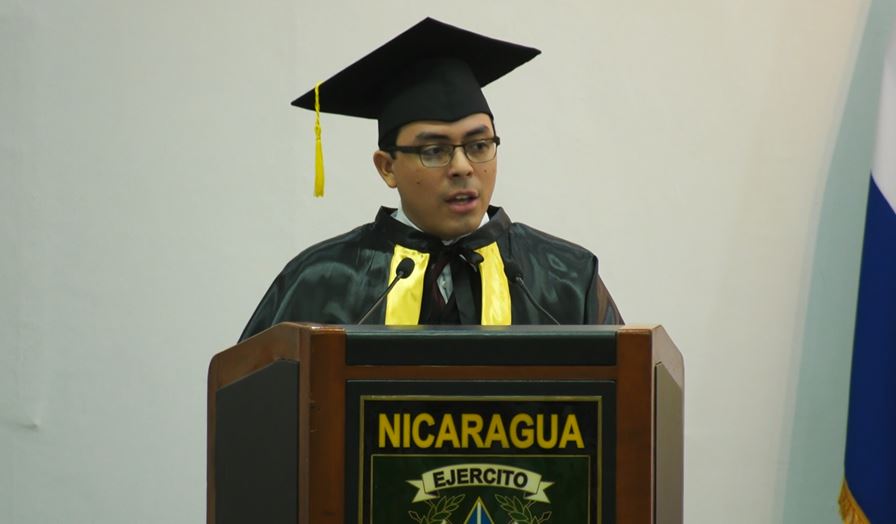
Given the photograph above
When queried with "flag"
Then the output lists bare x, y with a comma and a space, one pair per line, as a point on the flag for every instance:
868, 494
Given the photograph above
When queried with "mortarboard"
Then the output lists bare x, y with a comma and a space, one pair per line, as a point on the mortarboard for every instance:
432, 71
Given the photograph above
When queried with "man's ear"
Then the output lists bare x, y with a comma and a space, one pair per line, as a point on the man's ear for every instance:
384, 162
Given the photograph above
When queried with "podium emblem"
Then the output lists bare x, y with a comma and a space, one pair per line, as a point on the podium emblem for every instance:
479, 515
488, 459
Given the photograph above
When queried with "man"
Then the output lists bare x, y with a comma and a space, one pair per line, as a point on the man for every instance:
469, 264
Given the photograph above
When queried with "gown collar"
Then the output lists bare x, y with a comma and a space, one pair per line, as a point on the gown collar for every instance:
390, 231
400, 215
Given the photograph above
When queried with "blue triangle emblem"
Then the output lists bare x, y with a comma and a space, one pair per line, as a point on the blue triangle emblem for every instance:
479, 515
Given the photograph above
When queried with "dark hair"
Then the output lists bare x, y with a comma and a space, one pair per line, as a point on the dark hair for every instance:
390, 139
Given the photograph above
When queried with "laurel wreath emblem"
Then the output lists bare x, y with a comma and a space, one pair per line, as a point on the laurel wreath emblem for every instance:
440, 510
521, 512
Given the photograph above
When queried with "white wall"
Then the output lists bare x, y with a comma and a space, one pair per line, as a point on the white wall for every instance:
153, 180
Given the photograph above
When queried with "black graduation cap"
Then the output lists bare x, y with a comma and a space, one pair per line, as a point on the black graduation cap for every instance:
432, 71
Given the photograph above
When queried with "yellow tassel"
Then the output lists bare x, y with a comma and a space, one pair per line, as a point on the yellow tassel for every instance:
850, 510
318, 148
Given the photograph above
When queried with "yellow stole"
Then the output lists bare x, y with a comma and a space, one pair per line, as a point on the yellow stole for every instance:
404, 302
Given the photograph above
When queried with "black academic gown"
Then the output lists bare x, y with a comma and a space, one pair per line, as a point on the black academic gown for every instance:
338, 280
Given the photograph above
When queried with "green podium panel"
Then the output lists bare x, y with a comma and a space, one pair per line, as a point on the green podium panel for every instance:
523, 451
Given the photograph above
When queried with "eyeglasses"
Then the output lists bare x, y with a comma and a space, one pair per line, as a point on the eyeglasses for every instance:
440, 155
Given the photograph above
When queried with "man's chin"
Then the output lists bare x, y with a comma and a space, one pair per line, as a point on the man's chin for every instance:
462, 229
452, 227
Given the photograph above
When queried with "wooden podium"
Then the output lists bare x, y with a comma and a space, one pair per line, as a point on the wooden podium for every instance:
316, 424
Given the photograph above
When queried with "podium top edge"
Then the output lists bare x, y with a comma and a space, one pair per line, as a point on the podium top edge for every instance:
476, 330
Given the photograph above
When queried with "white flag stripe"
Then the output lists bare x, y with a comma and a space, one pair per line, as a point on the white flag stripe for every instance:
884, 170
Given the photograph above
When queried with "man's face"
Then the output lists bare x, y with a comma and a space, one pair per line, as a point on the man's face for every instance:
448, 201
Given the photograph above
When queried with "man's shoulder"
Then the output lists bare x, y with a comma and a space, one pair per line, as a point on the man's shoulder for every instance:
335, 248
539, 241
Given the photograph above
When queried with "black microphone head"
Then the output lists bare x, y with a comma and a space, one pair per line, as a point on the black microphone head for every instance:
513, 270
475, 258
405, 268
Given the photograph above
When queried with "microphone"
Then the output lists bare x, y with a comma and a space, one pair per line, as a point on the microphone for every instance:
474, 259
404, 270
515, 274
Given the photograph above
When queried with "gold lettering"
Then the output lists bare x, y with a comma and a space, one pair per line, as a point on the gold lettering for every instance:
471, 427
448, 432
571, 432
496, 433
546, 443
389, 429
415, 431
406, 430
521, 438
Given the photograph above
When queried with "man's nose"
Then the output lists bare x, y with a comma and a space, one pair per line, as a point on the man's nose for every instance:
460, 165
